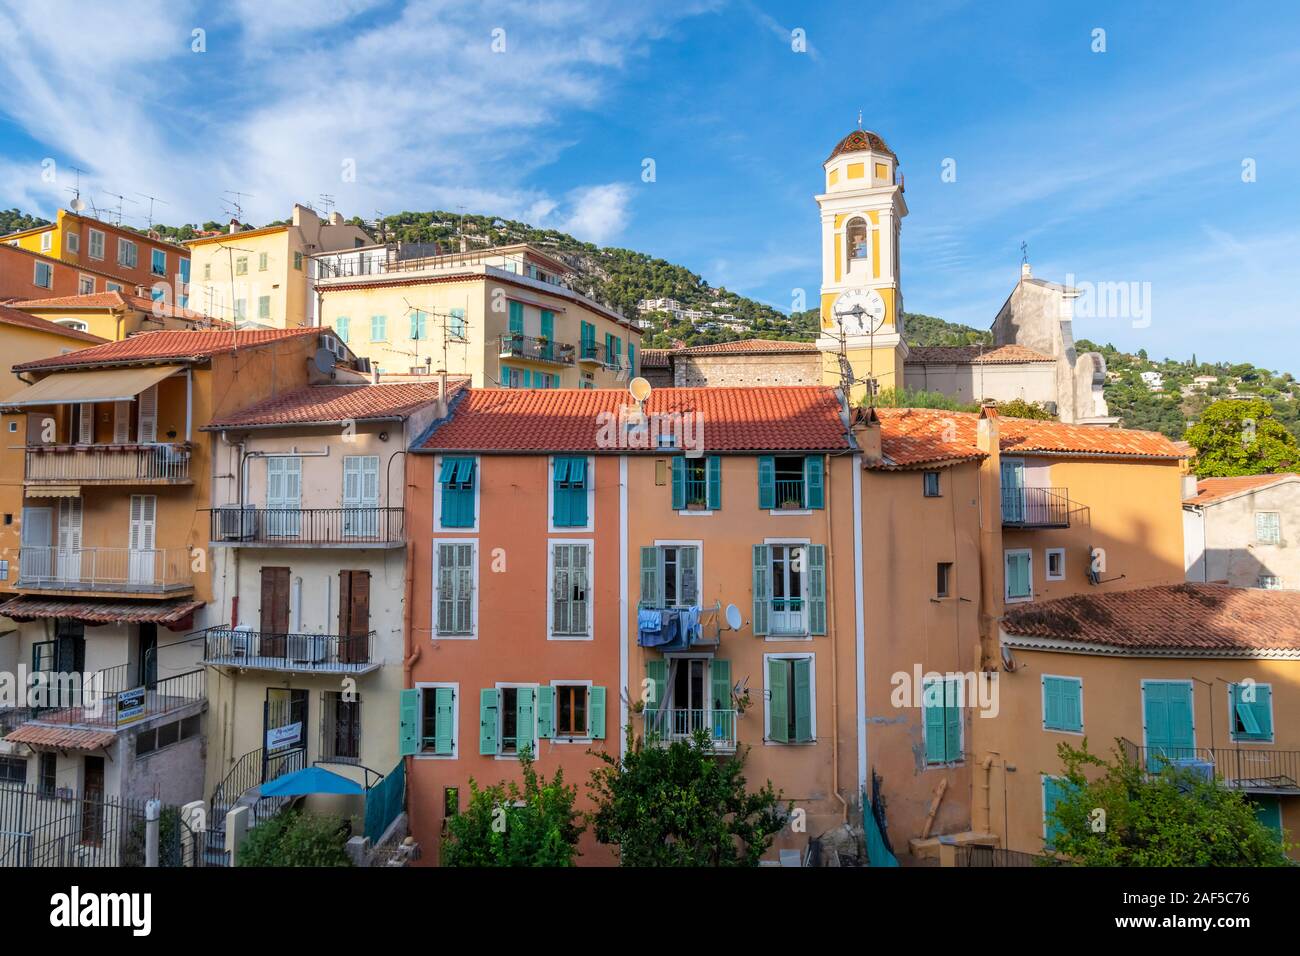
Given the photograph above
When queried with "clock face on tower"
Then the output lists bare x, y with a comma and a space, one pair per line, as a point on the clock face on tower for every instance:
860, 312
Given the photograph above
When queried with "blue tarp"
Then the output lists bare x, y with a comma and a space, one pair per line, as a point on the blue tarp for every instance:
300, 783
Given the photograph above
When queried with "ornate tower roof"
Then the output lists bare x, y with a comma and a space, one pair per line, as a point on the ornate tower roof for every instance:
860, 140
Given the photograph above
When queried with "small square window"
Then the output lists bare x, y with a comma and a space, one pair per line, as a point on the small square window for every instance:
1268, 527
13, 426
943, 579
1270, 582
1056, 564
930, 482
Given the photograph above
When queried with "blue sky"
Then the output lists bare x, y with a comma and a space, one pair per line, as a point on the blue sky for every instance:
1123, 166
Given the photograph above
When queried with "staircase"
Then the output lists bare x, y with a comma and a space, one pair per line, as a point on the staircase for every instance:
239, 789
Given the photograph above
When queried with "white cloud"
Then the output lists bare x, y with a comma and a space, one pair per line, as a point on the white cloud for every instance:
597, 213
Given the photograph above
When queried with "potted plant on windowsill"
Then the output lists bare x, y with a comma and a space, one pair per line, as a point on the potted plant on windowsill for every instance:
791, 504
741, 700
697, 504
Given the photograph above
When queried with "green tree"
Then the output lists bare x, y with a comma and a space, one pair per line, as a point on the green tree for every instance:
919, 398
509, 825
1019, 408
1167, 818
682, 805
296, 838
1242, 438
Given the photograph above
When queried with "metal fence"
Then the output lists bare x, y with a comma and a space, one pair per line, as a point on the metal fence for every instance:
516, 345
384, 801
362, 527
1036, 507
332, 653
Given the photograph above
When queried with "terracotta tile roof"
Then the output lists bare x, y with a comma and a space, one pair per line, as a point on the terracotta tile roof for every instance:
61, 738
98, 612
781, 418
1211, 490
655, 358
11, 316
914, 436
974, 355
859, 140
749, 347
1207, 619
168, 345
111, 300
316, 404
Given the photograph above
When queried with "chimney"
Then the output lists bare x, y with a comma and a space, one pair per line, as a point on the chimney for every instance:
987, 436
234, 226
442, 393
866, 433
1024, 270
336, 218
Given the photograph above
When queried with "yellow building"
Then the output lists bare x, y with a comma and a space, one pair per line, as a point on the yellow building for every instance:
260, 278
506, 316
113, 315
862, 211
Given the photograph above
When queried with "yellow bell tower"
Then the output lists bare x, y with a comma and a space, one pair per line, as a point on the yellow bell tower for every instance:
862, 212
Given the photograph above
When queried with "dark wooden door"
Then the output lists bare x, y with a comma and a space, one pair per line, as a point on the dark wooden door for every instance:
354, 616
148, 673
275, 611
92, 802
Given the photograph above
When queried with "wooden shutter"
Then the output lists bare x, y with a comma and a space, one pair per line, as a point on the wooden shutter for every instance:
121, 423
767, 482
650, 596
596, 714
814, 495
1052, 712
444, 723
761, 573
778, 714
802, 668
713, 476
354, 616
488, 705
952, 715
688, 591
524, 723
720, 698
274, 611
932, 699
86, 423
545, 712
148, 429
1072, 703
408, 724
656, 673
679, 482
816, 589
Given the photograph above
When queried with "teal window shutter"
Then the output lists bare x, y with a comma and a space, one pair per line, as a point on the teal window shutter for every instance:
778, 694
802, 668
760, 589
933, 718
723, 718
767, 482
545, 712
524, 720
559, 493
456, 324
578, 479
487, 720
713, 476
548, 325
1255, 718
596, 713
444, 729
951, 722
1072, 704
816, 589
456, 478
408, 724
516, 318
650, 577
679, 482
814, 495
631, 359
1053, 791
656, 673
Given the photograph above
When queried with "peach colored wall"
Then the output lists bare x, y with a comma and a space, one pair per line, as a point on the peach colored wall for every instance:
1112, 707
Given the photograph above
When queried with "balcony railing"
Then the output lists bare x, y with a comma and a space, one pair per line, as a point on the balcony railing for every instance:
120, 570
789, 493
110, 464
1036, 507
100, 698
265, 650
676, 724
293, 527
1252, 769
518, 346
592, 352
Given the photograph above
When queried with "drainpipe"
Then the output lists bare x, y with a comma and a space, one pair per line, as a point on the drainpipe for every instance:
835, 680
410, 650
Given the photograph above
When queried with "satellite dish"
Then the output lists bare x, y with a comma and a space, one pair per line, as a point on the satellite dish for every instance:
77, 204
733, 617
639, 389
324, 361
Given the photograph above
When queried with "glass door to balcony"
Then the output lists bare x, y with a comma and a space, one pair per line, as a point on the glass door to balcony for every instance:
361, 496
689, 706
787, 589
1013, 491
283, 497
68, 553
34, 556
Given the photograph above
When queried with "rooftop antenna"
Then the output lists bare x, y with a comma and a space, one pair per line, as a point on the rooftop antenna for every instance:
120, 200
859, 119
77, 204
152, 200
326, 203
235, 204
1024, 252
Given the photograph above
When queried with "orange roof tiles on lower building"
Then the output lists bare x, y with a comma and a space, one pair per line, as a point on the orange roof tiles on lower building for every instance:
1210, 490
326, 404
167, 345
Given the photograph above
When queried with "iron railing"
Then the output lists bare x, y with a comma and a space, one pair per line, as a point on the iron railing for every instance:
592, 352
790, 493
992, 856
696, 492
121, 570
108, 463
1252, 769
1035, 507
101, 698
280, 527
265, 650
664, 726
517, 345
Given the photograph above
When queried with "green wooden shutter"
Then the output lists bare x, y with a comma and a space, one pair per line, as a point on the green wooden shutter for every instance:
524, 724
559, 495
713, 473
817, 589
951, 722
1053, 791
650, 577
814, 495
408, 732
444, 724
932, 701
720, 699
516, 318
548, 325
1071, 704
657, 673
760, 589
487, 720
596, 713
578, 493
1052, 703
803, 699
545, 711
679, 482
778, 716
1256, 716
766, 482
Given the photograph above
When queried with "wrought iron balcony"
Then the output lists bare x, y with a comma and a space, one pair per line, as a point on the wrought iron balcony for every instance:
591, 353
303, 527
112, 570
1035, 508
108, 464
1249, 768
112, 697
666, 726
296, 653
518, 346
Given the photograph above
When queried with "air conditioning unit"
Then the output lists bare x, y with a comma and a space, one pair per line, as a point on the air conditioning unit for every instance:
363, 364
236, 523
307, 648
241, 639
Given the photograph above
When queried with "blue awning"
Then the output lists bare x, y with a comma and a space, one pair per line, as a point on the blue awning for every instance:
300, 783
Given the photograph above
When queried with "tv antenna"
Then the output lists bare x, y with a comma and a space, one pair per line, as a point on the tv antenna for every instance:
1024, 252
235, 203
326, 203
77, 204
152, 200
120, 200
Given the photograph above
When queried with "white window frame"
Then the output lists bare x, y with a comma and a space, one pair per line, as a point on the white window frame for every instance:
112, 287
1272, 717
1277, 515
455, 720
82, 279
945, 678
550, 496
1047, 566
1042, 703
938, 483
785, 637
501, 714
97, 238
47, 240
154, 252
767, 700
36, 274
73, 241
550, 584
555, 737
123, 244
437, 494
698, 545
433, 597
1006, 578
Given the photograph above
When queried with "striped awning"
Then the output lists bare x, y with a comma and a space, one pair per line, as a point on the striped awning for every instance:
54, 491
